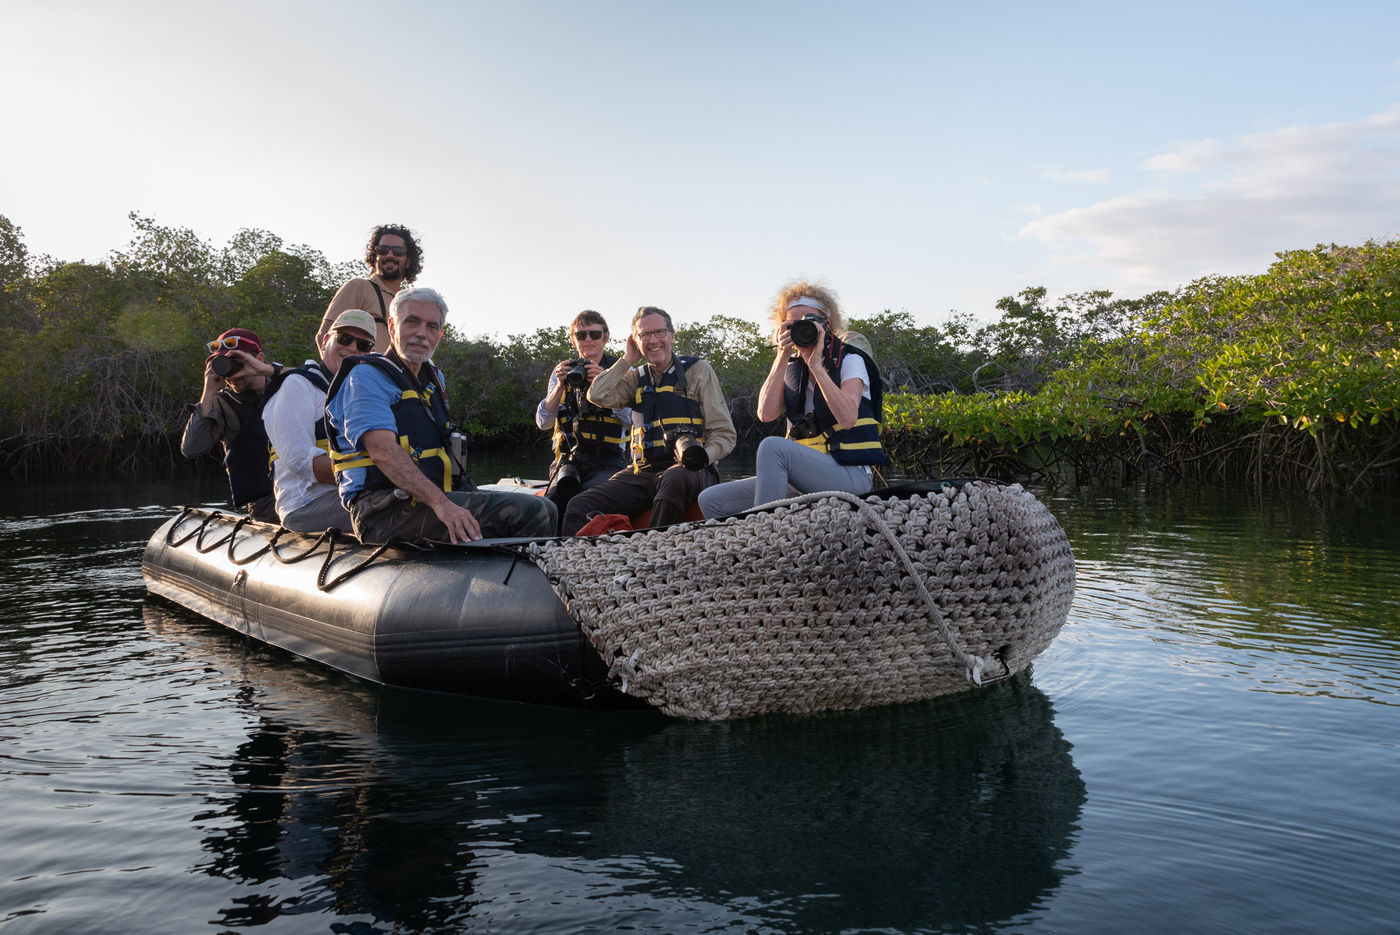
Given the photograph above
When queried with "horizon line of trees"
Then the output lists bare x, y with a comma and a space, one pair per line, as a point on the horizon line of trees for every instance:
1288, 377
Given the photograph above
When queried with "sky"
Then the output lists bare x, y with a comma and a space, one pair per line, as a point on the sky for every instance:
555, 155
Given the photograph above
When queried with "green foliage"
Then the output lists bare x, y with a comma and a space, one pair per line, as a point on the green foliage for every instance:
172, 253
280, 298
14, 256
921, 359
1289, 376
741, 354
105, 354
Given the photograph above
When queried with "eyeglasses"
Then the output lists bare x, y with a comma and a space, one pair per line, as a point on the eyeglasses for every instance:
658, 333
226, 344
589, 335
363, 345
385, 250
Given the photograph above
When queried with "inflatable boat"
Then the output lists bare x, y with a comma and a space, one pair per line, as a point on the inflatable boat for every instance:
825, 601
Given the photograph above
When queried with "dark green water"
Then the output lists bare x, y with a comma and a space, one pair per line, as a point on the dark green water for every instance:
1212, 744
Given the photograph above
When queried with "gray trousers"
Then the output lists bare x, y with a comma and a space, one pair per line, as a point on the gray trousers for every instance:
785, 469
323, 513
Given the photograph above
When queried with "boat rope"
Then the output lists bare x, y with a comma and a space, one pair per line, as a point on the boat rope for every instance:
329, 538
199, 530
325, 585
976, 665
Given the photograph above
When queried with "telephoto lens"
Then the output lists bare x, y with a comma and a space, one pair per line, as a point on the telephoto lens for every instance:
691, 453
225, 365
577, 375
567, 481
803, 331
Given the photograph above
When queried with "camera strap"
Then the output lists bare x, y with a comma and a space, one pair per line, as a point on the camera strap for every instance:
383, 312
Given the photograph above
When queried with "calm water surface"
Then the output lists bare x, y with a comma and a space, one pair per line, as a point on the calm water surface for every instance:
1210, 745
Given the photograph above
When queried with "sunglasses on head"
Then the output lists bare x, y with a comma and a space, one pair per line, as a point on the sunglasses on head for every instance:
385, 250
589, 335
363, 345
224, 344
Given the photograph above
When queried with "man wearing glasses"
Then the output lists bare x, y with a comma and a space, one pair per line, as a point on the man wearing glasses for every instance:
587, 438
680, 428
395, 260
229, 413
391, 442
295, 417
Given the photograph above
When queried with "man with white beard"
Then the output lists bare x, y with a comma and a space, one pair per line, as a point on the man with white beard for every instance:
391, 443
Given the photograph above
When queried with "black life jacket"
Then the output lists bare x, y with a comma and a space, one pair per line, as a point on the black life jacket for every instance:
859, 444
597, 433
320, 377
420, 415
245, 455
664, 407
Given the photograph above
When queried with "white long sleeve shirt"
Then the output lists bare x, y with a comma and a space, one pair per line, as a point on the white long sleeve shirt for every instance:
290, 418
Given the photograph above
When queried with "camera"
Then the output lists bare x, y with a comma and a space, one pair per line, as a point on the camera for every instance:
805, 427
577, 376
225, 365
804, 330
686, 448
567, 481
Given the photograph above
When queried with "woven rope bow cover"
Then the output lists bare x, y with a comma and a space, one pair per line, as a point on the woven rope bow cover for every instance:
811, 605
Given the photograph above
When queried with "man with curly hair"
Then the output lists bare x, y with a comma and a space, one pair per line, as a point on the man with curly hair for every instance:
395, 260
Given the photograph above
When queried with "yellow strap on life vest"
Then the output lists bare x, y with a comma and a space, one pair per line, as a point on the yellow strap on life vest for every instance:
345, 461
822, 442
606, 439
423, 454
323, 443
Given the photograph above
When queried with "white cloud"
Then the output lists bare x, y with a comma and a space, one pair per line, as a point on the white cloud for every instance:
1191, 156
1227, 206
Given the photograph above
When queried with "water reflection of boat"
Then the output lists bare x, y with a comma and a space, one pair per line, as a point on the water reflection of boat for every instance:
425, 813
949, 815
825, 602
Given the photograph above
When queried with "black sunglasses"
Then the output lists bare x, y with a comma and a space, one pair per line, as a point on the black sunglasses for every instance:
385, 250
589, 335
363, 345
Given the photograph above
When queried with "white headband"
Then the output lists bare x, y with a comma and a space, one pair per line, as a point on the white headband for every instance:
805, 301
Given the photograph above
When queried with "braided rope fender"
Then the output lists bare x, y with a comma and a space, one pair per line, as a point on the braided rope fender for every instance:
824, 601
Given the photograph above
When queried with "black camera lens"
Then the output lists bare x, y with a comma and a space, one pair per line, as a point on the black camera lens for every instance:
577, 375
225, 366
688, 450
566, 482
803, 331
694, 457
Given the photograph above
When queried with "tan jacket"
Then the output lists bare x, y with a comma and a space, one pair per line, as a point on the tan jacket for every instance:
359, 293
616, 388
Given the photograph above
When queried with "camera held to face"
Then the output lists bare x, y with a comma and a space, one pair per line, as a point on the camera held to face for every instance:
686, 448
804, 331
225, 365
577, 377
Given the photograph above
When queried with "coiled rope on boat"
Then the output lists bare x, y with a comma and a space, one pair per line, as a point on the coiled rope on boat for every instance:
822, 601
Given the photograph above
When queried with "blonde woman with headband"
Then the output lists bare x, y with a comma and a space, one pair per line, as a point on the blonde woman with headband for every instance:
830, 392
